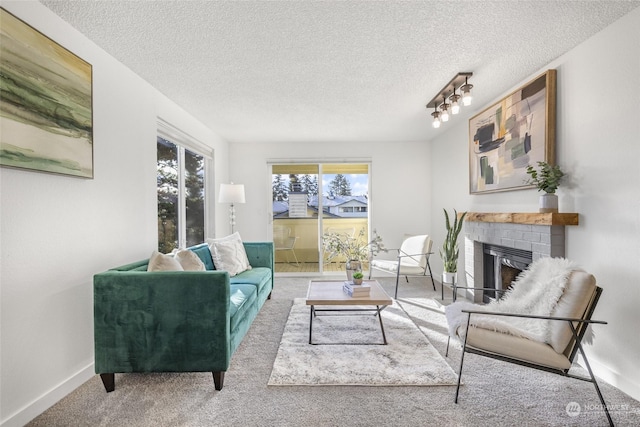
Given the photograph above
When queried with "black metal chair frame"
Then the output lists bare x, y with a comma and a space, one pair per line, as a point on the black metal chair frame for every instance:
406, 276
577, 332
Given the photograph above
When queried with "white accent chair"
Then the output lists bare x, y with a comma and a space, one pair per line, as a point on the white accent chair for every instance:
284, 241
569, 319
412, 260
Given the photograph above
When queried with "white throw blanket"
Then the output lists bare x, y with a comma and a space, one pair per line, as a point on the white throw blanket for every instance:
536, 291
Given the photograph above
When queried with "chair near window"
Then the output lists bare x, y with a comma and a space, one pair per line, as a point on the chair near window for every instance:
284, 241
412, 260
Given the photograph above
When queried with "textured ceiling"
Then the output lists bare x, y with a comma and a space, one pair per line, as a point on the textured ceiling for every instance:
315, 71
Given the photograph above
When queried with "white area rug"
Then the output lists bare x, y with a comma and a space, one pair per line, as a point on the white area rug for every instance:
409, 359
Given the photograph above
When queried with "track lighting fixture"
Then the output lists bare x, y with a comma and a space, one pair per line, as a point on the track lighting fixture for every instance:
439, 102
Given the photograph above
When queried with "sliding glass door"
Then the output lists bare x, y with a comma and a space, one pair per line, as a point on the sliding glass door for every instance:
309, 200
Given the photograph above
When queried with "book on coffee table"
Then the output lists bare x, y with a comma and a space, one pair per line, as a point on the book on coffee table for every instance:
352, 290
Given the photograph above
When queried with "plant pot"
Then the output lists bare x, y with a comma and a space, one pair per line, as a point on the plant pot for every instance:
548, 203
449, 278
357, 281
352, 266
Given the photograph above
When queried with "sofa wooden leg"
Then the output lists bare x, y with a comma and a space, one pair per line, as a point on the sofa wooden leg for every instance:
218, 379
109, 381
269, 296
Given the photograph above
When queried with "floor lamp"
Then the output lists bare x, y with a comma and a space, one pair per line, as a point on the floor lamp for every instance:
231, 193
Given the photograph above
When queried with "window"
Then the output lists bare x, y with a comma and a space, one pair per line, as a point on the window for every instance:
182, 189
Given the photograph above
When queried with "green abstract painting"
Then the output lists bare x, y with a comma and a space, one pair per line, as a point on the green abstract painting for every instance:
46, 121
517, 131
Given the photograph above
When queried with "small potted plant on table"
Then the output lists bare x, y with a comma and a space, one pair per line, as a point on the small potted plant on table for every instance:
357, 278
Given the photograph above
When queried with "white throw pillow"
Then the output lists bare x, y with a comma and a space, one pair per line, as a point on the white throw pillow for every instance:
162, 262
228, 254
189, 260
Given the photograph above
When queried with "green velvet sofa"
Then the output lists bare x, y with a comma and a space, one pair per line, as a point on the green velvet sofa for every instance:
177, 321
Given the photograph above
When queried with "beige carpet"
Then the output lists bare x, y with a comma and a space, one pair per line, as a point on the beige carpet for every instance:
409, 359
496, 394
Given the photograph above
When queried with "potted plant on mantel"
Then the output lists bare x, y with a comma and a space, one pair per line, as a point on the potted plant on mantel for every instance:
546, 179
449, 252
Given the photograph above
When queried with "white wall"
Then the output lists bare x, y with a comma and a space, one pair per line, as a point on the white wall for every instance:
598, 143
58, 231
400, 183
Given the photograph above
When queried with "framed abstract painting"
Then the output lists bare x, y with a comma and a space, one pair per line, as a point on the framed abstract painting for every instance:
45, 103
514, 132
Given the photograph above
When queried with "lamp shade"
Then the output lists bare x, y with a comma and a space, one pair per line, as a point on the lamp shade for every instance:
231, 193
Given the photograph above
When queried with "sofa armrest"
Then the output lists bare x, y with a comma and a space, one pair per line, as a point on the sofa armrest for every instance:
161, 321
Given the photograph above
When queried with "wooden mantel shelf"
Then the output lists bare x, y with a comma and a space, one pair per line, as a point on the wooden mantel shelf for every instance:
532, 218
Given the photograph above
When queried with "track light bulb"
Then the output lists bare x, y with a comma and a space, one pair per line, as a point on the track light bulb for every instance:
444, 116
455, 107
466, 99
436, 119
466, 93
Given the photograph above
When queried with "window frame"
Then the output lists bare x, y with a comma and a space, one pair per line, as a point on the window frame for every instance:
183, 141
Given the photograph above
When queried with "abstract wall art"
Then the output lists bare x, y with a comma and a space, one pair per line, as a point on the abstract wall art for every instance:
509, 135
45, 103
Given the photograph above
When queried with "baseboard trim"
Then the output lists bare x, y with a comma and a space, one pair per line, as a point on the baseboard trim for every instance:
614, 378
48, 399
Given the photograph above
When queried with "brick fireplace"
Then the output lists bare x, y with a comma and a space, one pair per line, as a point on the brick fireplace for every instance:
536, 235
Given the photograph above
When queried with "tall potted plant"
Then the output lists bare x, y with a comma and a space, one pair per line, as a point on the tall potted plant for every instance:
546, 179
449, 252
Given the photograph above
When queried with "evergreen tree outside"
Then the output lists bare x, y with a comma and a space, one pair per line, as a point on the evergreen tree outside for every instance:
310, 184
340, 186
194, 195
279, 189
167, 185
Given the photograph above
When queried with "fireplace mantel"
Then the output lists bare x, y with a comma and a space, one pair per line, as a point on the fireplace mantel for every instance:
542, 234
533, 218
